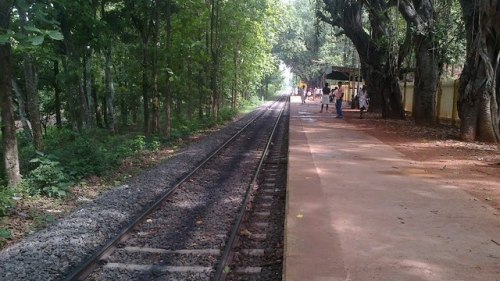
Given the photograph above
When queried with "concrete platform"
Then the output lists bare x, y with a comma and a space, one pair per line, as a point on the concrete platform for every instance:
355, 212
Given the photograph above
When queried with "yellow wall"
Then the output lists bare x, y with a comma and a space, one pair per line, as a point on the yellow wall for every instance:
446, 100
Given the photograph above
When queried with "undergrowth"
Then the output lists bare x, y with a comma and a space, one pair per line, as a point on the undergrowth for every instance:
69, 157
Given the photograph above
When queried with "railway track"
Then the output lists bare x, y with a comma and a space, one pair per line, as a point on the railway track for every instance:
189, 232
256, 253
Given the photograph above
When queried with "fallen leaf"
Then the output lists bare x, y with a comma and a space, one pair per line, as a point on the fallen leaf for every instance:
300, 216
245, 232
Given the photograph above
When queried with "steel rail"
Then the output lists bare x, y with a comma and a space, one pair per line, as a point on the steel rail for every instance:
219, 273
86, 267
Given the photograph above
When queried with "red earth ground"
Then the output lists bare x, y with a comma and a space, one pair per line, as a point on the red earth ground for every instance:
439, 153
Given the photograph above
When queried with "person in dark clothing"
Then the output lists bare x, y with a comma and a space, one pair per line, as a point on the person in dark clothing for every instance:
326, 97
339, 95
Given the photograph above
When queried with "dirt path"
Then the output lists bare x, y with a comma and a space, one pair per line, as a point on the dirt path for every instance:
438, 153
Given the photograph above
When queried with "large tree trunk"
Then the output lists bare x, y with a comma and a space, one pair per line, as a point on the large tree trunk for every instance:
168, 90
155, 104
57, 94
234, 84
145, 95
190, 97
21, 101
479, 93
215, 57
426, 81
144, 29
110, 90
9, 140
31, 83
84, 107
98, 117
105, 111
71, 77
420, 15
379, 62
88, 88
200, 102
124, 112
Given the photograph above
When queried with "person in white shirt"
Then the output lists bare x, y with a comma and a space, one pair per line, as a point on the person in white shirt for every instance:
302, 93
363, 101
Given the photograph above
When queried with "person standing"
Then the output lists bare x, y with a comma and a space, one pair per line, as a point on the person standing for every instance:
363, 101
325, 99
302, 93
339, 95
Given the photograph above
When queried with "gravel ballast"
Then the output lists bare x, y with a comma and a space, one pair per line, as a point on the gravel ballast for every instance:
51, 253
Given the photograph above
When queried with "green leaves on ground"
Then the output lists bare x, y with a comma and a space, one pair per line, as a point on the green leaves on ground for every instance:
48, 178
4, 235
5, 200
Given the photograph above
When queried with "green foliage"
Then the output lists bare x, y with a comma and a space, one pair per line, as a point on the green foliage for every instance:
250, 104
48, 178
449, 32
31, 26
306, 45
92, 152
26, 152
139, 143
5, 200
226, 114
5, 234
154, 145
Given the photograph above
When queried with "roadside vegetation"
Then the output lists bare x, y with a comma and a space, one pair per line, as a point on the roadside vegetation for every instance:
91, 91
75, 167
94, 91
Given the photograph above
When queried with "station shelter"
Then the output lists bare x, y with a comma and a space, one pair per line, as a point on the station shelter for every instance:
350, 78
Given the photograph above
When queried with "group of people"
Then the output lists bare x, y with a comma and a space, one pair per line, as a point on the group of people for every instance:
336, 96
307, 95
329, 95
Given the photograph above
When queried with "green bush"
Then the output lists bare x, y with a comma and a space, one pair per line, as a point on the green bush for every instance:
226, 114
26, 152
139, 143
86, 156
5, 234
5, 200
48, 178
154, 145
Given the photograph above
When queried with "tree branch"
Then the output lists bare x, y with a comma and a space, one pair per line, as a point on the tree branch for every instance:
405, 48
326, 19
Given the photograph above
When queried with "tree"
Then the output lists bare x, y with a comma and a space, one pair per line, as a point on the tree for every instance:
169, 59
479, 90
215, 55
306, 45
111, 24
379, 60
421, 16
9, 141
143, 21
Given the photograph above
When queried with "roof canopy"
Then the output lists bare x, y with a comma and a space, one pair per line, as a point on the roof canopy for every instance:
343, 73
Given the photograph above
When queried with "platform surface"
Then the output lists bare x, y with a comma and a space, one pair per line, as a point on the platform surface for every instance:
356, 213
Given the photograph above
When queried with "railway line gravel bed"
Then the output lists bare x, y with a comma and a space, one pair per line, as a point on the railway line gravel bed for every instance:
70, 240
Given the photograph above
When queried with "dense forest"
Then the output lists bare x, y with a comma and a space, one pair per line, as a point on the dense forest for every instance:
154, 69
85, 84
